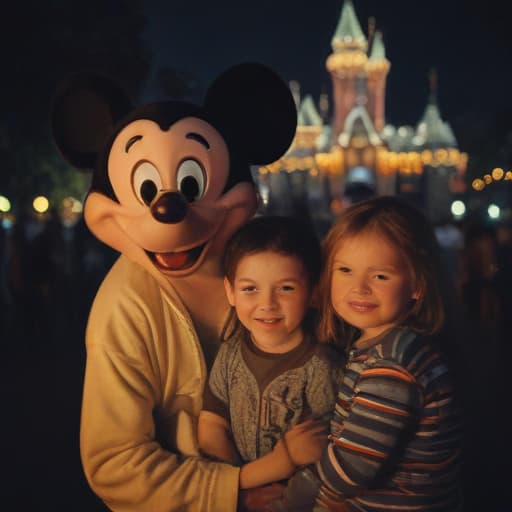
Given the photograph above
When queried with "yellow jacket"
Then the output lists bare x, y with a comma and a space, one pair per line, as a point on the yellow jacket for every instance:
144, 379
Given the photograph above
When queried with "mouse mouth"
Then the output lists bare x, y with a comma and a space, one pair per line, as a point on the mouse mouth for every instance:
179, 260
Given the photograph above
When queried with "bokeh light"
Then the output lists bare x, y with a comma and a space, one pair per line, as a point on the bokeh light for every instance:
478, 184
41, 204
497, 173
494, 211
5, 204
70, 211
458, 208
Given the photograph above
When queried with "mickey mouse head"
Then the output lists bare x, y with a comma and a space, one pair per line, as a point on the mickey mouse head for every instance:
170, 179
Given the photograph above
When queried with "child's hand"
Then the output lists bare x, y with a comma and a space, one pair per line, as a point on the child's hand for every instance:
305, 442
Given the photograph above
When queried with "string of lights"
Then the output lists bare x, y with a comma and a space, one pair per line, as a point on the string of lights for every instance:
496, 175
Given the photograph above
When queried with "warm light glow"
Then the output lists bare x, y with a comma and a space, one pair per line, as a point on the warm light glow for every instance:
426, 157
5, 204
458, 208
74, 204
441, 155
478, 184
497, 173
494, 211
40, 204
70, 211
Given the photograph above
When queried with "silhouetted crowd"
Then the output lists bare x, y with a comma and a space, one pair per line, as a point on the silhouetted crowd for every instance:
50, 273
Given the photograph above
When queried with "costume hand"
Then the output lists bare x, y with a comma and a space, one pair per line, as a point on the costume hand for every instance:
306, 441
259, 499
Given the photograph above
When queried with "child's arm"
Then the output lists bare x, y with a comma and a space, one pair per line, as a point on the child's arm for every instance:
390, 397
213, 432
303, 444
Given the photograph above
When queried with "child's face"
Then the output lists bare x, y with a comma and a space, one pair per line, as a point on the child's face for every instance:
371, 285
270, 294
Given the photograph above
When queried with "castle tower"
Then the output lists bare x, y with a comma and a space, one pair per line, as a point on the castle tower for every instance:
378, 69
437, 138
346, 64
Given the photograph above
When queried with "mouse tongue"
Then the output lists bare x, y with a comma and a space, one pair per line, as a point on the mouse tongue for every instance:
173, 260
178, 260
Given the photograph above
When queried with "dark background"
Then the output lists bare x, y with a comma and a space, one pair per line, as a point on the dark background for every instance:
157, 49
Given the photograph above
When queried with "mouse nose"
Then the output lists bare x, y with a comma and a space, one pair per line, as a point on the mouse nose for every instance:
170, 208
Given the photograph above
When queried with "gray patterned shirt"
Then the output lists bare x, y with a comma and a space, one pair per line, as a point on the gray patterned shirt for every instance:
263, 395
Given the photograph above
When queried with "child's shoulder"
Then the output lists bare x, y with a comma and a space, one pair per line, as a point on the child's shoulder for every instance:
230, 346
403, 345
329, 352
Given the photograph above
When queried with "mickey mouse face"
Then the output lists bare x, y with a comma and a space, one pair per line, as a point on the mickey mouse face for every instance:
169, 189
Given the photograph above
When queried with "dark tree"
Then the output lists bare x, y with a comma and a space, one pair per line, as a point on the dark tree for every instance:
40, 43
177, 85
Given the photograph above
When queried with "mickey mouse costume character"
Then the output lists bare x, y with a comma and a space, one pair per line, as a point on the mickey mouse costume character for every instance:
171, 183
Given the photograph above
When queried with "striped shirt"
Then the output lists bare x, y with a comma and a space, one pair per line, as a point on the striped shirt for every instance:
396, 431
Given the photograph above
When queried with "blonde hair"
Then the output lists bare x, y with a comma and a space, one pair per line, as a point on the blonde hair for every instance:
411, 233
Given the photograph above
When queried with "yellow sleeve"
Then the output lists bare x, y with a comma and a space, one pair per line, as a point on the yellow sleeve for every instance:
214, 437
141, 398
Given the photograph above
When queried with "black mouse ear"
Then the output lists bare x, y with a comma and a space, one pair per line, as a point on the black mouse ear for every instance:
254, 110
84, 110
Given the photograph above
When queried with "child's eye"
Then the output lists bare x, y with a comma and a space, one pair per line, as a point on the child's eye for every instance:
287, 288
343, 270
381, 277
249, 288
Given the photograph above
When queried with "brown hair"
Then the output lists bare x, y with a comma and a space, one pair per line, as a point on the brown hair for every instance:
408, 230
275, 233
280, 234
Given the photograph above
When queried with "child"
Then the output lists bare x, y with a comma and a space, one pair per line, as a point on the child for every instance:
395, 434
270, 381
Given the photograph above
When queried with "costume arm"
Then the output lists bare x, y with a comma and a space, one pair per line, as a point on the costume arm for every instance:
213, 433
371, 428
137, 451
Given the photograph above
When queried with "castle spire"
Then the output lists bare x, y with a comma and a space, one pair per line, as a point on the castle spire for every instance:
348, 34
377, 69
371, 33
432, 130
378, 50
433, 81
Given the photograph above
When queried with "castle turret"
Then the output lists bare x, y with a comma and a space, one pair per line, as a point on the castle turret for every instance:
378, 69
346, 63
440, 170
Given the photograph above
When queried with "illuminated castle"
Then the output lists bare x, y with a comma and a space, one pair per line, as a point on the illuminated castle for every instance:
353, 153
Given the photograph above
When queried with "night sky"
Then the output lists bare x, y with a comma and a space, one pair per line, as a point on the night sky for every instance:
467, 42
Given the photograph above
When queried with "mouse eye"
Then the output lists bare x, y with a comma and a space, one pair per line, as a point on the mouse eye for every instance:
191, 180
146, 182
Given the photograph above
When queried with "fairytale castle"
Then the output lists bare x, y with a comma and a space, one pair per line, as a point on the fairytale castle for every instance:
352, 153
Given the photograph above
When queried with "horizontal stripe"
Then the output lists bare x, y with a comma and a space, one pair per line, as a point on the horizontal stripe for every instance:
398, 395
